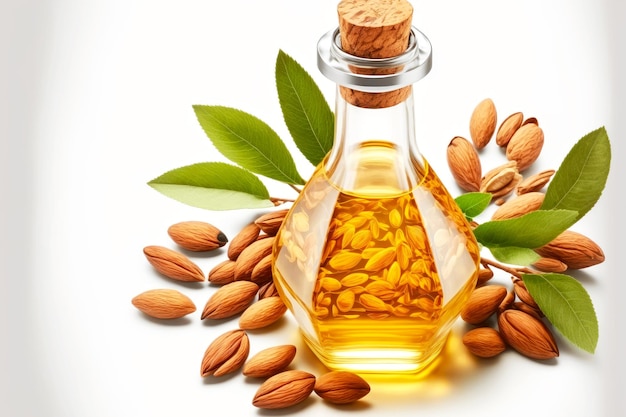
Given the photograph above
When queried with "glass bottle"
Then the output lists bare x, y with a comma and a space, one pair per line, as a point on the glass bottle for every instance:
374, 259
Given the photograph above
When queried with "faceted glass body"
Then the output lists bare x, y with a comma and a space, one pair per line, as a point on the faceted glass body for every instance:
374, 259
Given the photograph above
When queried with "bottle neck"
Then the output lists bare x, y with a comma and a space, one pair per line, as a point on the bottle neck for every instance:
374, 150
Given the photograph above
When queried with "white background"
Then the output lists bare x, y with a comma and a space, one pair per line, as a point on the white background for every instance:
96, 101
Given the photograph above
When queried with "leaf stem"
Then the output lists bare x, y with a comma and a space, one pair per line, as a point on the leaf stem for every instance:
517, 272
279, 201
298, 190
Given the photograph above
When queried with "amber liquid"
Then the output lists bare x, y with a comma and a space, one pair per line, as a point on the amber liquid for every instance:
375, 276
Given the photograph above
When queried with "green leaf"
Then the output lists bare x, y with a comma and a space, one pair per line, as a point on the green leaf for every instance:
580, 180
472, 204
567, 306
248, 142
514, 255
305, 110
531, 230
213, 186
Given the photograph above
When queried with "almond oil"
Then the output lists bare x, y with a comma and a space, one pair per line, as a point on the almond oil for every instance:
375, 276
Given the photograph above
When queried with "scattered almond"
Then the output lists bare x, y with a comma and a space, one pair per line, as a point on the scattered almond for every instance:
522, 293
250, 256
464, 164
522, 306
527, 335
535, 182
484, 342
270, 223
262, 271
574, 249
284, 390
498, 177
262, 313
482, 303
506, 190
164, 304
197, 236
499, 201
525, 145
483, 123
532, 120
507, 302
508, 127
225, 354
484, 275
173, 264
229, 300
222, 273
242, 240
518, 206
549, 265
270, 361
341, 387
268, 290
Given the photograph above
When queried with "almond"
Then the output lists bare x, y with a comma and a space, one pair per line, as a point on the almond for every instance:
532, 120
262, 272
268, 290
484, 275
226, 354
522, 293
525, 145
229, 300
535, 182
173, 264
284, 390
197, 236
345, 260
222, 273
501, 181
381, 259
507, 189
574, 249
484, 342
270, 223
270, 361
527, 335
482, 303
507, 302
251, 256
341, 387
508, 127
498, 177
522, 306
549, 265
519, 206
164, 304
262, 313
245, 237
464, 164
483, 123
499, 201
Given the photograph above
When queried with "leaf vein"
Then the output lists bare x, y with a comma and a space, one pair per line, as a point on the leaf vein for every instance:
306, 115
270, 162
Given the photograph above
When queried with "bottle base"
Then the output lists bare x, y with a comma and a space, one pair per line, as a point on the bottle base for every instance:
382, 361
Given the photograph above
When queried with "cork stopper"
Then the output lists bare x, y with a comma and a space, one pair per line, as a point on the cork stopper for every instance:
375, 29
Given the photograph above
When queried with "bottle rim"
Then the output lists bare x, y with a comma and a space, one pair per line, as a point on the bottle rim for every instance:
338, 66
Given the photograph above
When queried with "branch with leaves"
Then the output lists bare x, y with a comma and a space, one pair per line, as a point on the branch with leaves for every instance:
258, 151
255, 147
